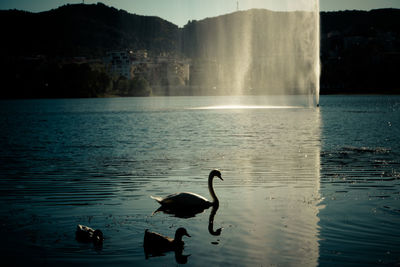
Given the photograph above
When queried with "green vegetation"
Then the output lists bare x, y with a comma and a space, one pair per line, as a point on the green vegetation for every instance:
137, 86
39, 78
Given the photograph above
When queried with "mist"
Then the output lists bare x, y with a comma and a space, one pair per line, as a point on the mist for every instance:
255, 52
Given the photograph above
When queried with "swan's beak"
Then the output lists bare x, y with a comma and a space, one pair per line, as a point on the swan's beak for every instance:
187, 234
220, 178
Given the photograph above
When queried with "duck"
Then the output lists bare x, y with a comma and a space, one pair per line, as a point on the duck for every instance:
155, 243
86, 234
187, 203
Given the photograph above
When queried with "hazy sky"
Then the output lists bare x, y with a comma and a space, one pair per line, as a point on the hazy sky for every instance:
180, 11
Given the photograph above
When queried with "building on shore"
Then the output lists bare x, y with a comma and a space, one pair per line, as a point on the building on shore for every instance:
119, 62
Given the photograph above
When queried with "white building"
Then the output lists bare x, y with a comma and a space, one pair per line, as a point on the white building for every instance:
120, 62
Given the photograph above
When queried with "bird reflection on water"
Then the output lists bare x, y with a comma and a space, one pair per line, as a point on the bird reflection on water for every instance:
211, 222
156, 245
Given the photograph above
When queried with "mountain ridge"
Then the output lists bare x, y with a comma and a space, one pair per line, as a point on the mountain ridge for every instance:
93, 29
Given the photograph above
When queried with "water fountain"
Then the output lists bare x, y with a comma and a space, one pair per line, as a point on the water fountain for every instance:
257, 52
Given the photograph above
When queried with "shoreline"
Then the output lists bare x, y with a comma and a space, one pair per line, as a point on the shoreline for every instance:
120, 96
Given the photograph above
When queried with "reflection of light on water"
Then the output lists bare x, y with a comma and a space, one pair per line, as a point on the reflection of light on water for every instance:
247, 107
282, 167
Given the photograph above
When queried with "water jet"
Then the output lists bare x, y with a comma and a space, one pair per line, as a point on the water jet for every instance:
258, 52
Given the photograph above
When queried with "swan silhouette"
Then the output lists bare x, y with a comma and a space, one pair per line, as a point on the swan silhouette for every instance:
156, 244
188, 204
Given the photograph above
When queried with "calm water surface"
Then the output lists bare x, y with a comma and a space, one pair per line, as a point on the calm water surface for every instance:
302, 186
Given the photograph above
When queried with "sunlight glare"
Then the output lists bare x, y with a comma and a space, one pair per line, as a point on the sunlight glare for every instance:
247, 107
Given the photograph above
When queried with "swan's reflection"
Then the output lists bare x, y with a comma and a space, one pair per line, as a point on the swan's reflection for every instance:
189, 214
180, 213
211, 221
156, 245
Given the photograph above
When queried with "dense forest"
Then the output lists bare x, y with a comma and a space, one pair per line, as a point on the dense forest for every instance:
360, 50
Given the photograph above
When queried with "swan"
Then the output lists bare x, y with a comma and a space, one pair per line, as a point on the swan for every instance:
155, 243
189, 203
87, 234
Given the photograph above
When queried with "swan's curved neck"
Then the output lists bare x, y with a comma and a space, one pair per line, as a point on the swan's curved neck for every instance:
178, 238
211, 189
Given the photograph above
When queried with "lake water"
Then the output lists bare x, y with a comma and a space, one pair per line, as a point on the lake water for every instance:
302, 186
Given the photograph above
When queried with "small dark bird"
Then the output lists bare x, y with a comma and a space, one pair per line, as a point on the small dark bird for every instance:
86, 234
156, 244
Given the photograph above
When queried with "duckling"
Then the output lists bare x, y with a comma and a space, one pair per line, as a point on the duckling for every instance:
155, 243
86, 234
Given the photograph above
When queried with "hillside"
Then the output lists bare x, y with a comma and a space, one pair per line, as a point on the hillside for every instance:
360, 51
357, 22
76, 30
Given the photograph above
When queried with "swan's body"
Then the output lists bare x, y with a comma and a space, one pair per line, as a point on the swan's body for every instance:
155, 243
87, 234
184, 200
187, 201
